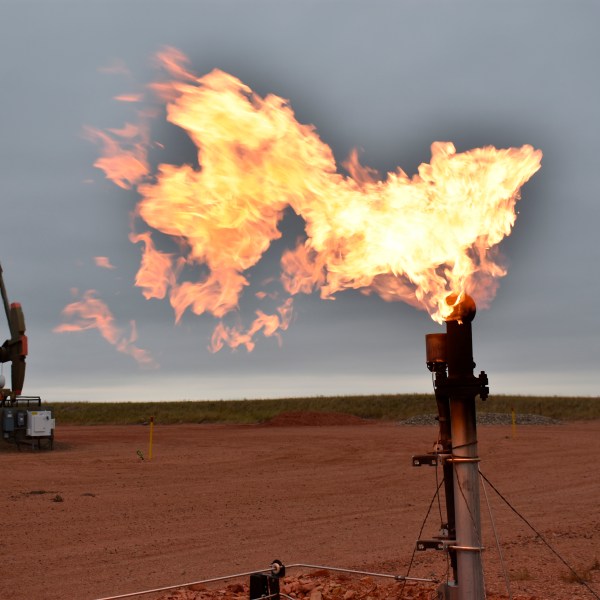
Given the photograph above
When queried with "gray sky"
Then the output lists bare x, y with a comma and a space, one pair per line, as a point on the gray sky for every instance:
388, 77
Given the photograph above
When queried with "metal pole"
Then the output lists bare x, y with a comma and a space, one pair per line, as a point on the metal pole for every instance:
445, 441
462, 387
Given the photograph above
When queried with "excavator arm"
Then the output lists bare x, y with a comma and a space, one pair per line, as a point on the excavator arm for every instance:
14, 349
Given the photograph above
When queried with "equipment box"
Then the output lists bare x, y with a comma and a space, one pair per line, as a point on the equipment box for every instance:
39, 423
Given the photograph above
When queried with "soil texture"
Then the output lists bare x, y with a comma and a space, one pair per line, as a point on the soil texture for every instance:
98, 517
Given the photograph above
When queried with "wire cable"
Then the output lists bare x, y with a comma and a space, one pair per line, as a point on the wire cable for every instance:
288, 567
579, 579
440, 484
412, 558
180, 585
504, 571
356, 572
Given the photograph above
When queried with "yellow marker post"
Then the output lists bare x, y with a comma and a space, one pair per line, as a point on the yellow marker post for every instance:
514, 422
151, 433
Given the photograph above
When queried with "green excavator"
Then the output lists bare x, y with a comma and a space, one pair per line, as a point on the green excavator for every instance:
23, 420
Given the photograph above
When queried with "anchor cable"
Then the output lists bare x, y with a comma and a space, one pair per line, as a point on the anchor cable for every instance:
579, 579
504, 571
412, 558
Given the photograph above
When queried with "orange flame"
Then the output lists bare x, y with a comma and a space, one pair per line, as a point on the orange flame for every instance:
416, 239
92, 313
155, 273
103, 262
268, 324
124, 153
129, 97
116, 67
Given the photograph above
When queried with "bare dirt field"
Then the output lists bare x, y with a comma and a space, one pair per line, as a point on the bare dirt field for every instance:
92, 519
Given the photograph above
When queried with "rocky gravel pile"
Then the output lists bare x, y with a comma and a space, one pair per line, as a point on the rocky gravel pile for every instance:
324, 585
304, 418
487, 419
318, 585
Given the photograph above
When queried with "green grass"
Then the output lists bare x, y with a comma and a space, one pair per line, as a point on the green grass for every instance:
385, 408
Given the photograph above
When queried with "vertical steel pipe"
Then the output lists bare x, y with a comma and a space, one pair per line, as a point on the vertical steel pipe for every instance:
462, 387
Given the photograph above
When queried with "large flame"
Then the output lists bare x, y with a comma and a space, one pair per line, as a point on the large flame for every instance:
417, 239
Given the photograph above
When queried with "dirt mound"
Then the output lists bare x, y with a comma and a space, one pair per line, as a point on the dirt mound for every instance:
313, 418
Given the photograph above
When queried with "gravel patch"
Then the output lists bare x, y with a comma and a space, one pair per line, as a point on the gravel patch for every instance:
487, 419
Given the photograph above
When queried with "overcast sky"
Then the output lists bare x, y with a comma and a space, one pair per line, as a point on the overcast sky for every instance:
388, 77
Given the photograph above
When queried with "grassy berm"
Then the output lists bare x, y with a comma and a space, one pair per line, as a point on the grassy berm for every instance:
395, 407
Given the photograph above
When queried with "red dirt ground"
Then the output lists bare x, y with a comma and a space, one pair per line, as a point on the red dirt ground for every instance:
92, 519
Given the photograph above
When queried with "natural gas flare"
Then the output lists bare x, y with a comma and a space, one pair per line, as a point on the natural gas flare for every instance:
416, 239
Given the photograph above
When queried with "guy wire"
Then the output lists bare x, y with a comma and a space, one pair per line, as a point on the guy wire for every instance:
412, 558
579, 579
504, 572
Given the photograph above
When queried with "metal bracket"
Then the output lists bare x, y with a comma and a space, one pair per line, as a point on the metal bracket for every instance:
425, 459
438, 544
263, 586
